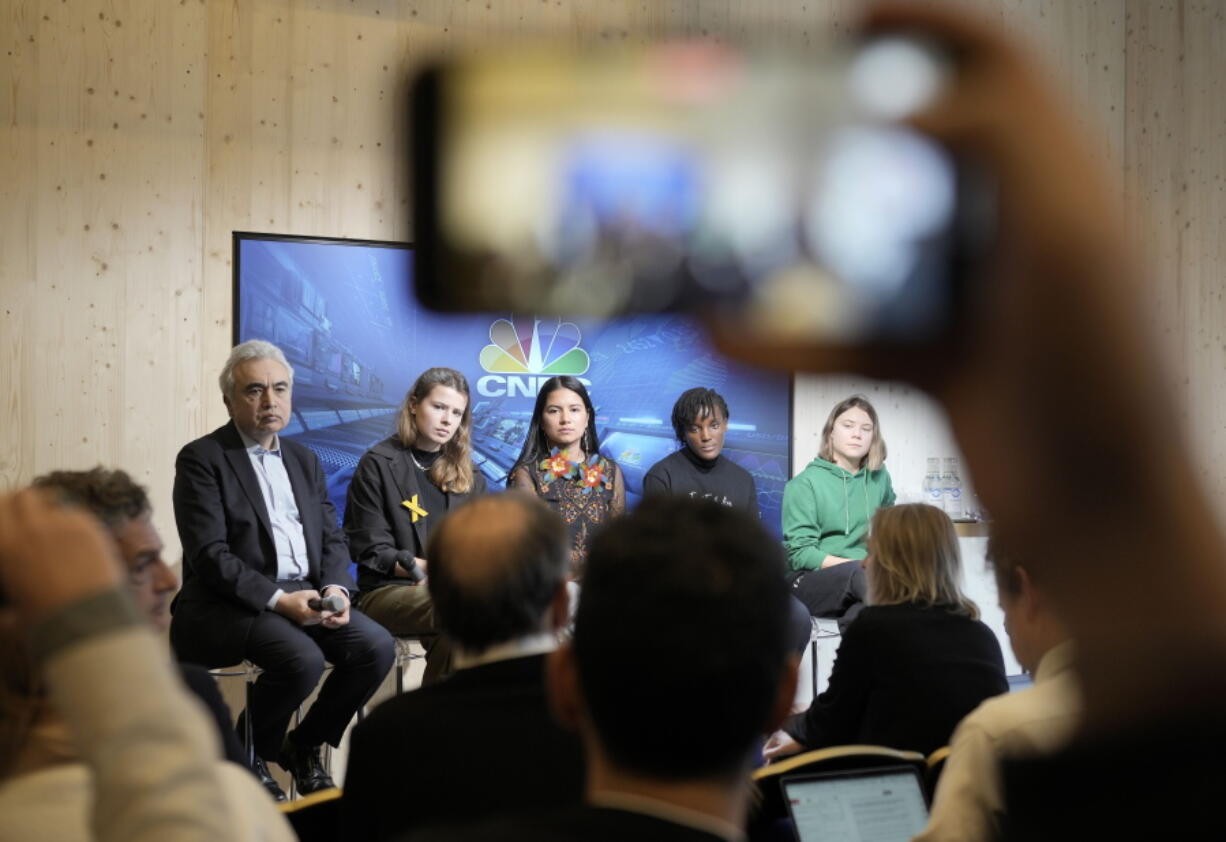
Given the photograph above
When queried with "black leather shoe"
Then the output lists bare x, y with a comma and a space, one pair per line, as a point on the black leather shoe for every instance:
304, 764
267, 780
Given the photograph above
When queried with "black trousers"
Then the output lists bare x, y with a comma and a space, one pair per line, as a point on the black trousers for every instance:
292, 659
801, 628
833, 592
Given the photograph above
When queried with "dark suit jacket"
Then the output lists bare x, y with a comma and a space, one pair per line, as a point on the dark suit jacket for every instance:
904, 677
375, 520
477, 743
229, 558
578, 824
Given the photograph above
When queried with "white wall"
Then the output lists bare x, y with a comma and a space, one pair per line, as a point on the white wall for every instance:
914, 426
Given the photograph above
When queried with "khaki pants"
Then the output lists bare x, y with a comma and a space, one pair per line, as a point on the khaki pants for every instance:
407, 611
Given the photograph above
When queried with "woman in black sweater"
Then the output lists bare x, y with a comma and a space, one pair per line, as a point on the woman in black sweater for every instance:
401, 488
699, 469
916, 660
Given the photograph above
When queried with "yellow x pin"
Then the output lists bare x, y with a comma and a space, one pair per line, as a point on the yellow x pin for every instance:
416, 510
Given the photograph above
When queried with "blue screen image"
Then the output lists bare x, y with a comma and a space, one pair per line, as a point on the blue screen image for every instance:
345, 315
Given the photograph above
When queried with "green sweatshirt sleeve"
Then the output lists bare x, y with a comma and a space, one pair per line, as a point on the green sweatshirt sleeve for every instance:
888, 498
802, 534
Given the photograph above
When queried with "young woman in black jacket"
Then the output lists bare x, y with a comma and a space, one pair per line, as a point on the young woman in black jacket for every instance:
402, 487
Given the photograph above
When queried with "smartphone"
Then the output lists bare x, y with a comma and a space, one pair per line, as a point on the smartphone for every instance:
785, 191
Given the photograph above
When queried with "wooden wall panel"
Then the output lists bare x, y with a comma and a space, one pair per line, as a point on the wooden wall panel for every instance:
18, 261
1176, 182
104, 124
209, 116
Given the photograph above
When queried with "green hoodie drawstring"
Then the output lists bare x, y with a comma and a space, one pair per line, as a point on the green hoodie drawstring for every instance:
847, 503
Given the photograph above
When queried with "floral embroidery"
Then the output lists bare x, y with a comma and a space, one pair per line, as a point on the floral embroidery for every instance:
557, 466
581, 492
593, 476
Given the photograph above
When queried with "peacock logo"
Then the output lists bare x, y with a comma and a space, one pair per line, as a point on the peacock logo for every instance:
534, 346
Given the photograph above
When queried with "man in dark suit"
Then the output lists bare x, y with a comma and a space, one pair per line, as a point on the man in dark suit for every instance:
678, 667
260, 546
480, 741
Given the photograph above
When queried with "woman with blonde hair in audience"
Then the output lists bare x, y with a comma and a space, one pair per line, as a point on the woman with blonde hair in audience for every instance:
917, 659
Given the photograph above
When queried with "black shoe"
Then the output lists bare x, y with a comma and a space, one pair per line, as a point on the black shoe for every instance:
267, 781
305, 766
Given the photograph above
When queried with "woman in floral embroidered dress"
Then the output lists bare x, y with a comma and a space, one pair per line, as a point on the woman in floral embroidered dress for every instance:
561, 464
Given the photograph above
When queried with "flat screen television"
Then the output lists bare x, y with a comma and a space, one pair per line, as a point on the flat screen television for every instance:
344, 313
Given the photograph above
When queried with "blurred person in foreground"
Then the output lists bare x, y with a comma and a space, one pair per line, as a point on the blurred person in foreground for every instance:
1030, 722
480, 741
917, 659
124, 509
678, 667
1055, 368
79, 658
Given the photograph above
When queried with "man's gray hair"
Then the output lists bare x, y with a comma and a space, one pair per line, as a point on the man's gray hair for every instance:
252, 349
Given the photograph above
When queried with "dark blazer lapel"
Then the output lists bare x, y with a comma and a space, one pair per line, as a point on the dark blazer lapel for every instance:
240, 463
308, 507
405, 475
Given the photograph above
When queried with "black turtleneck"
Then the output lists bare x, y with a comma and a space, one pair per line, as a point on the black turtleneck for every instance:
719, 479
433, 500
426, 458
703, 465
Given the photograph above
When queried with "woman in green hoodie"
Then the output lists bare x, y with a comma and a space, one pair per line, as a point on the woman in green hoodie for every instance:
827, 508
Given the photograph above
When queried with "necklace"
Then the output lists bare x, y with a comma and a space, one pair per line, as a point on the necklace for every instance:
420, 466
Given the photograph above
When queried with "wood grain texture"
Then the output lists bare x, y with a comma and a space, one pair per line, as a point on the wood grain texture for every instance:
1175, 178
136, 135
102, 124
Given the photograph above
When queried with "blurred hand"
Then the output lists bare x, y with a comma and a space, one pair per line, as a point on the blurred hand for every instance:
1053, 368
52, 555
780, 745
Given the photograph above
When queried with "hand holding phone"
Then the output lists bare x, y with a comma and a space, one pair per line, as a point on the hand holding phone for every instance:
785, 190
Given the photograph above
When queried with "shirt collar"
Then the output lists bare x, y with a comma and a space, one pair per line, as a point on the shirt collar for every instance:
520, 647
1055, 660
255, 449
666, 811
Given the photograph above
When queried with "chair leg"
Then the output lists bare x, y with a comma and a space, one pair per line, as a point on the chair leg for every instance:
248, 733
813, 662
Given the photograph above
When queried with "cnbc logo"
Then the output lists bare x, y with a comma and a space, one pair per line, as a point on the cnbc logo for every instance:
524, 353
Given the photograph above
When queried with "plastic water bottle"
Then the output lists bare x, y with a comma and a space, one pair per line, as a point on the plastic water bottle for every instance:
951, 489
933, 493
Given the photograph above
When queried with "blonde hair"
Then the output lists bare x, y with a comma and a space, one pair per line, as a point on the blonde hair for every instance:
453, 470
914, 557
875, 458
